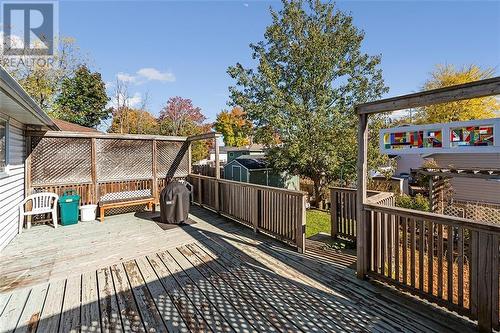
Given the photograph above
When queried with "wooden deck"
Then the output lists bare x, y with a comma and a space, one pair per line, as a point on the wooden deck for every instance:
130, 275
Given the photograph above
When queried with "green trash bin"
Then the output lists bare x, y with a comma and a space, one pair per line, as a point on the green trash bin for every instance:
69, 203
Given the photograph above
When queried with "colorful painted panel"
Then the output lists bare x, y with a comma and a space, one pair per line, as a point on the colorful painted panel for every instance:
471, 136
413, 139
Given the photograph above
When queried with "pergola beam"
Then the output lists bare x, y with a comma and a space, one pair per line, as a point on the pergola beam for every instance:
482, 88
205, 136
459, 174
100, 135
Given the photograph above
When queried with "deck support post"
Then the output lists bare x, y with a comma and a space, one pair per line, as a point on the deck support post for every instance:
362, 250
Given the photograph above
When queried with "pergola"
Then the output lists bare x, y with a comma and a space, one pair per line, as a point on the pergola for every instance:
483, 88
484, 239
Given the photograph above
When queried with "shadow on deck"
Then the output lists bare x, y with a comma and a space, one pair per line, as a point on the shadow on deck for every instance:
221, 278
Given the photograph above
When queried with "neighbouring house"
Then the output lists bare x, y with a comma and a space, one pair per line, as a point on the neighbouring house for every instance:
470, 188
222, 154
226, 154
235, 152
462, 151
18, 114
66, 126
254, 169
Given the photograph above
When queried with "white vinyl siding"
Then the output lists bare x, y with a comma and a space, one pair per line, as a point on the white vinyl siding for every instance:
472, 189
12, 183
483, 161
476, 190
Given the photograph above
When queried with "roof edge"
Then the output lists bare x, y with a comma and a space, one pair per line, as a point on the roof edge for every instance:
14, 89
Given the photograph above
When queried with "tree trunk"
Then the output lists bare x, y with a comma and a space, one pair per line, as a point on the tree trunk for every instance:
318, 193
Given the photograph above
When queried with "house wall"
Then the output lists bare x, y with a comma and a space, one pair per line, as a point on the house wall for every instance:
234, 154
222, 157
258, 177
12, 183
406, 162
273, 179
472, 189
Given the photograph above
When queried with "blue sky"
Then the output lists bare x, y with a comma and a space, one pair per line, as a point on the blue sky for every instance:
169, 48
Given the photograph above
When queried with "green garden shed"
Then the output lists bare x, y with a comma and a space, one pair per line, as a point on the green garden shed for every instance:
254, 169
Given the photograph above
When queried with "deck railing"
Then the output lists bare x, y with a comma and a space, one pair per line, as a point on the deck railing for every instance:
343, 209
277, 212
448, 260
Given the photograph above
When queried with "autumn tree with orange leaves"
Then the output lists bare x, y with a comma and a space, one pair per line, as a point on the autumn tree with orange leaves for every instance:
234, 126
180, 117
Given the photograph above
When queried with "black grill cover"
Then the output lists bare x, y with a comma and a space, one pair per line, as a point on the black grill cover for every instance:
174, 203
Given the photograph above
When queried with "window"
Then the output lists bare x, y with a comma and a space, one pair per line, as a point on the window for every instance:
3, 145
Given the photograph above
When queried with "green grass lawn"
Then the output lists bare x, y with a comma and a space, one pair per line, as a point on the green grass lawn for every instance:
317, 221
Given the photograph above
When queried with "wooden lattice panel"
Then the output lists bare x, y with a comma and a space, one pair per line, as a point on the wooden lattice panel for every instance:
172, 159
475, 211
123, 159
60, 160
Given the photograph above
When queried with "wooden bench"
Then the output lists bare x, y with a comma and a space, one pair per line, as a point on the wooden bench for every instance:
125, 199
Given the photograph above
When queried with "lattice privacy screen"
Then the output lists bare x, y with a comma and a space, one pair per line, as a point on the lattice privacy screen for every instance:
172, 159
124, 159
60, 160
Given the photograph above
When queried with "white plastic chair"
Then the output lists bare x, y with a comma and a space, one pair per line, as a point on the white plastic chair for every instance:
41, 203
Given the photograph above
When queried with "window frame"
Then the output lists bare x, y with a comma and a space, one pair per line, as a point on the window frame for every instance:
4, 171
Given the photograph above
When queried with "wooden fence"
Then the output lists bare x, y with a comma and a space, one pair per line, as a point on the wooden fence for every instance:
343, 209
448, 260
207, 170
277, 212
98, 164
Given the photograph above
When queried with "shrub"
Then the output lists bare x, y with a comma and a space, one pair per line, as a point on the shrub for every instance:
419, 202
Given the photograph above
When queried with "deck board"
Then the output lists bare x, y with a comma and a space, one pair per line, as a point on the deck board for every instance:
90, 306
217, 277
246, 309
150, 315
51, 312
129, 311
108, 303
30, 316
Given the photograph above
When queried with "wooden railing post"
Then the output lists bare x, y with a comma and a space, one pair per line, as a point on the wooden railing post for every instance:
484, 279
217, 176
154, 186
190, 159
362, 235
334, 213
301, 225
93, 168
200, 196
258, 217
